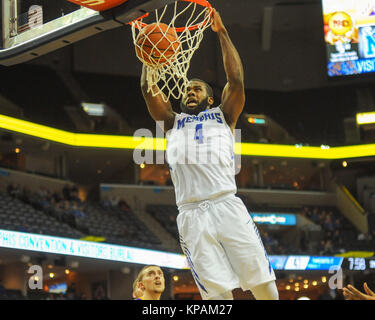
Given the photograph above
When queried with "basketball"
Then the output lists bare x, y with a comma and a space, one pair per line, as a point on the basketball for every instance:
157, 44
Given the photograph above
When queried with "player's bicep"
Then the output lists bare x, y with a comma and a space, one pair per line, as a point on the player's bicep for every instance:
160, 110
158, 106
233, 101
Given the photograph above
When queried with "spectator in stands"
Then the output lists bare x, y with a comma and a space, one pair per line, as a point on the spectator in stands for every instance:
281, 250
321, 217
51, 296
59, 209
106, 203
340, 246
364, 237
269, 240
42, 192
77, 211
321, 247
44, 203
314, 215
151, 280
336, 236
66, 192
328, 224
71, 292
66, 205
56, 197
304, 212
303, 242
123, 205
372, 232
326, 247
22, 228
14, 191
74, 195
100, 293
114, 201
10, 188
26, 195
337, 224
60, 296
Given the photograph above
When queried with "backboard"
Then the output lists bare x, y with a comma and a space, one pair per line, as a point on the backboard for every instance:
32, 28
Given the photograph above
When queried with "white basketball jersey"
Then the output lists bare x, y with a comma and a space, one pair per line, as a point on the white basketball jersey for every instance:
200, 154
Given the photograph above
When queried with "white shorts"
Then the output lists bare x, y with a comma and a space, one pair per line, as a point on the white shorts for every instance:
222, 246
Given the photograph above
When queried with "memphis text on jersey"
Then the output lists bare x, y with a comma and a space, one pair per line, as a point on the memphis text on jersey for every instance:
206, 116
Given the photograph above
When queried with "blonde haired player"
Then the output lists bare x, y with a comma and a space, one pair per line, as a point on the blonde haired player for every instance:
149, 284
137, 291
217, 235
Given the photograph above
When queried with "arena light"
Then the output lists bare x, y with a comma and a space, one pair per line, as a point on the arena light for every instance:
36, 130
365, 118
159, 144
306, 152
93, 109
255, 120
80, 139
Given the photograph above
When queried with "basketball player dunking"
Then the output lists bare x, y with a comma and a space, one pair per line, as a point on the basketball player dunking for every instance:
217, 234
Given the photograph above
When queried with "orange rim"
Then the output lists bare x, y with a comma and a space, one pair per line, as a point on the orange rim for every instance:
202, 3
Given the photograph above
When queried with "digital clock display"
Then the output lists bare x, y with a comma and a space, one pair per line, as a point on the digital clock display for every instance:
357, 264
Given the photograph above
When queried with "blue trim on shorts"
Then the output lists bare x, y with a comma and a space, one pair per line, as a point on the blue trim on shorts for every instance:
261, 242
191, 264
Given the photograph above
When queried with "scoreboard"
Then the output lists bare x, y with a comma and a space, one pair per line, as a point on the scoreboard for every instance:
310, 263
349, 34
359, 264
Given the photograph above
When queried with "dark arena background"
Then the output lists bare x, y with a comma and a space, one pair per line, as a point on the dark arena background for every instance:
75, 203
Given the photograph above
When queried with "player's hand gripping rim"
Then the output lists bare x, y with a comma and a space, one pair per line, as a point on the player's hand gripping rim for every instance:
217, 24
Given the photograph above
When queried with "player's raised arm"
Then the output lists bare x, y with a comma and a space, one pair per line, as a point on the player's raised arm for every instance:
157, 107
233, 96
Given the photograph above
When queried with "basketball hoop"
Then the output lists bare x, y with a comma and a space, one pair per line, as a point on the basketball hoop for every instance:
188, 19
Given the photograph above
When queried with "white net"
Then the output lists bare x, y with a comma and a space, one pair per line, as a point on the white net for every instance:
167, 45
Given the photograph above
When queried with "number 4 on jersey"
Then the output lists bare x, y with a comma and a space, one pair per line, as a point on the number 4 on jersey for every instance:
199, 133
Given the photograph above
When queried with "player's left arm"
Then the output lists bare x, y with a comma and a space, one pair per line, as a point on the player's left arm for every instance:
233, 96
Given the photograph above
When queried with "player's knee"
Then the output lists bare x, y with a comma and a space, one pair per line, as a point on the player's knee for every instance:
266, 291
